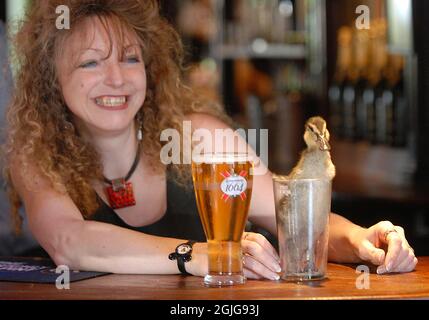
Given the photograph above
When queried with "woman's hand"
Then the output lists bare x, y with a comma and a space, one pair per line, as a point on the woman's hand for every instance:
385, 246
260, 259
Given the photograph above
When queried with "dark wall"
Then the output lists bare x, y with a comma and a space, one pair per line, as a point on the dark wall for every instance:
3, 10
421, 30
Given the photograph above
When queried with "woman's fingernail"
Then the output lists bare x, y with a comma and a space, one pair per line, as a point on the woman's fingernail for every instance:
389, 267
381, 270
277, 268
276, 277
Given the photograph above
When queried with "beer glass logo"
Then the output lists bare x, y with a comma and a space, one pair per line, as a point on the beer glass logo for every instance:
234, 185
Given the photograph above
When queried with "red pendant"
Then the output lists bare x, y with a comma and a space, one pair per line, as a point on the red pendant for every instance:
121, 194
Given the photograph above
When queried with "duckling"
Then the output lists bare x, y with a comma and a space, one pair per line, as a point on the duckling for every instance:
315, 161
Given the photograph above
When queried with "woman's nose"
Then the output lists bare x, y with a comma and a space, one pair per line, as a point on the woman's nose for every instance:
114, 77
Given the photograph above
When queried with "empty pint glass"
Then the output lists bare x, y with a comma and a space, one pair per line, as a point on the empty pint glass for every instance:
302, 212
223, 189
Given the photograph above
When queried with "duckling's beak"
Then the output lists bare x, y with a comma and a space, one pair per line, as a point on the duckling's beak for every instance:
323, 143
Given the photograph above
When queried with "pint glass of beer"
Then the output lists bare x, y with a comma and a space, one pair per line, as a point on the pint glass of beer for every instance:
223, 189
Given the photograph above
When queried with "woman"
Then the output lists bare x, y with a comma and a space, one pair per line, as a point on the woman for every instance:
90, 105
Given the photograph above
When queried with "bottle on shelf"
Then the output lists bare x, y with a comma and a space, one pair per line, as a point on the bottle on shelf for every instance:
389, 104
367, 98
396, 106
340, 80
383, 97
349, 103
373, 104
271, 21
401, 113
282, 20
361, 52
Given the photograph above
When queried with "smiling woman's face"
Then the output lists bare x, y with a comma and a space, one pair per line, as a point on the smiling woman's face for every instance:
104, 92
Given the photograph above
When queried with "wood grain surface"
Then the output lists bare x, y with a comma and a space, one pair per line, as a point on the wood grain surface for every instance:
340, 284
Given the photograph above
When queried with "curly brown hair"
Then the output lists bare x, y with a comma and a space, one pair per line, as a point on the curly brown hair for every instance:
41, 132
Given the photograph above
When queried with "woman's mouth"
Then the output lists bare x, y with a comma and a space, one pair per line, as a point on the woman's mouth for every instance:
112, 102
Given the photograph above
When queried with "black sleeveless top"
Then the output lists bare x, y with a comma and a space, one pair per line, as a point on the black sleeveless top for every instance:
181, 219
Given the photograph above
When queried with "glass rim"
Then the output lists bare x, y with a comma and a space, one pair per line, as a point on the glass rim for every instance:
223, 157
284, 178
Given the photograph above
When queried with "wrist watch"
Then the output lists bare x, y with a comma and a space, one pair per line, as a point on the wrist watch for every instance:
182, 254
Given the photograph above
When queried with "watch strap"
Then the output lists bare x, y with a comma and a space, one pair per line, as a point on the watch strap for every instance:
181, 266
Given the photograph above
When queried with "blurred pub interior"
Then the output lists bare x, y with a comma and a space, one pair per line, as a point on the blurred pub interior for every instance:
275, 63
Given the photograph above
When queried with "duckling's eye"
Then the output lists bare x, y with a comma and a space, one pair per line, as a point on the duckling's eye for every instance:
311, 129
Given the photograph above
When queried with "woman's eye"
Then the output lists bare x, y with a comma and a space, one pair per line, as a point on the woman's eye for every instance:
132, 59
88, 64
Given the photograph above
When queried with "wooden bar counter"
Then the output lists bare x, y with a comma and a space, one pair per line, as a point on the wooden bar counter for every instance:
340, 284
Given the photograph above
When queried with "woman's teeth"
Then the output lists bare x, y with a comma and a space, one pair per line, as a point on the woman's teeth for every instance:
111, 101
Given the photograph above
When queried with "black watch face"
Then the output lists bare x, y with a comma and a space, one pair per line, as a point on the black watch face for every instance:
184, 249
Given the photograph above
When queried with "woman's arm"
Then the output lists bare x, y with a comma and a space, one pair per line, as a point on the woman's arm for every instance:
60, 229
383, 245
104, 247
341, 247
